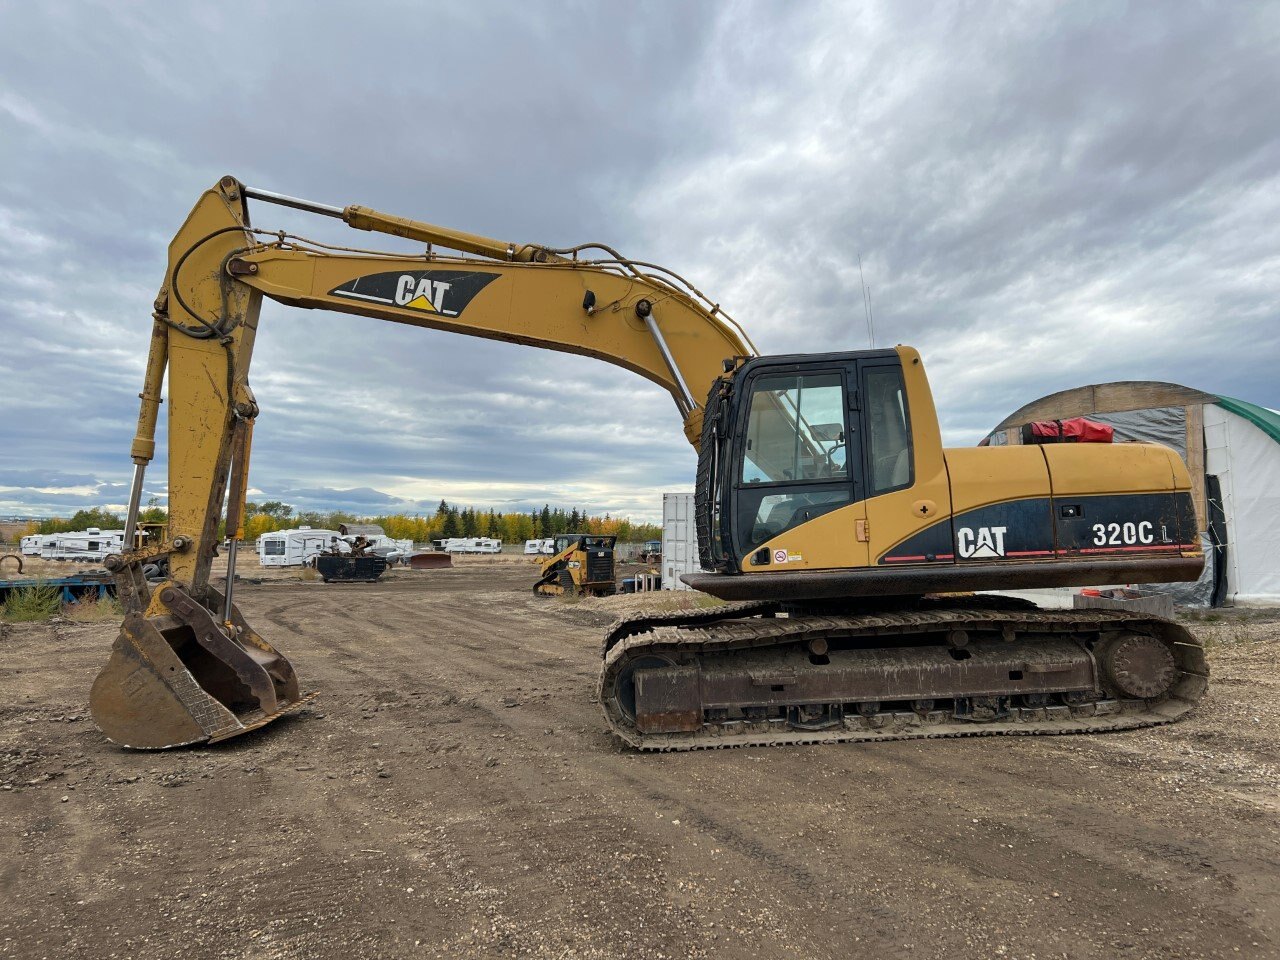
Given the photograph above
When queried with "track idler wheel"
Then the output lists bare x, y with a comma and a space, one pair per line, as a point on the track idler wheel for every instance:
1138, 666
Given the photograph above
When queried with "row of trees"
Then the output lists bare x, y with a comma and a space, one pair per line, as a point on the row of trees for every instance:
97, 517
449, 520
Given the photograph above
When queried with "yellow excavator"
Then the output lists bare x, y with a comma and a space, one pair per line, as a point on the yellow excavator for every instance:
848, 542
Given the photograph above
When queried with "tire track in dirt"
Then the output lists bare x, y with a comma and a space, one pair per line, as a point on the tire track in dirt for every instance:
568, 846
498, 656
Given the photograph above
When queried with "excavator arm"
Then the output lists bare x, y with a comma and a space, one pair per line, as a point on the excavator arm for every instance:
638, 316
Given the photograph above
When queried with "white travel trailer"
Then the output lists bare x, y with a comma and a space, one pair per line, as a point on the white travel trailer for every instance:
294, 548
91, 544
547, 546
472, 545
31, 545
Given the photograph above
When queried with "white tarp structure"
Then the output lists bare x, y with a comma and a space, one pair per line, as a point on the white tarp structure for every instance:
1232, 450
1246, 460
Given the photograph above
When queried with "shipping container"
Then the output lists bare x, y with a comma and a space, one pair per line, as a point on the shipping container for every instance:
679, 540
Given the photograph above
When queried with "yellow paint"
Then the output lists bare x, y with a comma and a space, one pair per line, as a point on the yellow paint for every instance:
422, 303
985, 475
1091, 468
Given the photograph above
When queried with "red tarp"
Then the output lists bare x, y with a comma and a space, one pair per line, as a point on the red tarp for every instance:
1075, 430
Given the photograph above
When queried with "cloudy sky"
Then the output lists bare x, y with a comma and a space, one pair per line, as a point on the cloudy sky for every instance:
1043, 195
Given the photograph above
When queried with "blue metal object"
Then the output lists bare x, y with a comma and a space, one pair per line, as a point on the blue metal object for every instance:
98, 585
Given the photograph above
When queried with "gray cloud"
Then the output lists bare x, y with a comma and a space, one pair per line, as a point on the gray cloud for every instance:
363, 496
45, 478
1043, 195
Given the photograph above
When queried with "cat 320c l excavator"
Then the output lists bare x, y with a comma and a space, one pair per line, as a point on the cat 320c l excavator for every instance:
847, 540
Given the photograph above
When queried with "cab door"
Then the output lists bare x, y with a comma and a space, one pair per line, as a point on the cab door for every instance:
799, 468
908, 497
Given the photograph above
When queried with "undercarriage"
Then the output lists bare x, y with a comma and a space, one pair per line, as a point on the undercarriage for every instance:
763, 674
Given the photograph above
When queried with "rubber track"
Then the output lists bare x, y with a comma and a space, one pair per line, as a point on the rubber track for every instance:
740, 627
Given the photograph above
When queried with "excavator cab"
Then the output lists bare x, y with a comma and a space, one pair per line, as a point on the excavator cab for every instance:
823, 477
789, 439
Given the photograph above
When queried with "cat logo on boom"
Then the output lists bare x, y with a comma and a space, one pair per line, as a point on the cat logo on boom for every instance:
421, 293
980, 544
444, 293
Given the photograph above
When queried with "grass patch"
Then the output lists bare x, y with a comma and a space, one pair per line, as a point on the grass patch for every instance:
93, 610
31, 604
1225, 631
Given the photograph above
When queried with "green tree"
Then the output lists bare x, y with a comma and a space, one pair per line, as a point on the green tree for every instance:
450, 527
470, 528
97, 517
154, 513
275, 510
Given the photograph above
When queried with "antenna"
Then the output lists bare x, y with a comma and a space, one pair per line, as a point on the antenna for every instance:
866, 303
871, 319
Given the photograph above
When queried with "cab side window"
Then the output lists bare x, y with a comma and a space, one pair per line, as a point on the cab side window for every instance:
888, 427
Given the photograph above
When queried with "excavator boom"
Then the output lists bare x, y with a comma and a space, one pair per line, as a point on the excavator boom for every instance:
186, 667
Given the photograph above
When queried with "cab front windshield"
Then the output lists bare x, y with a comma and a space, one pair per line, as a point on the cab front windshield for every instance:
796, 430
795, 462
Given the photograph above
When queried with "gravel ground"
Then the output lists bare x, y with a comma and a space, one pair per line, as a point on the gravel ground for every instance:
452, 793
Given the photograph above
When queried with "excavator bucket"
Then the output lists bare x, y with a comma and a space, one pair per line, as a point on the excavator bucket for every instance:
184, 677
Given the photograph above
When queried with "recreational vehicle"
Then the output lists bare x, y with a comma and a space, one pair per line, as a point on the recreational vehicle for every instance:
91, 544
294, 548
31, 545
393, 551
472, 545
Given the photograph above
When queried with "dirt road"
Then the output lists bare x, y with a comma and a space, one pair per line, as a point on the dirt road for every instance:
452, 793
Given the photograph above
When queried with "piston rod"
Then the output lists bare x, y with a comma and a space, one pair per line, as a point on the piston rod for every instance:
644, 310
286, 201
